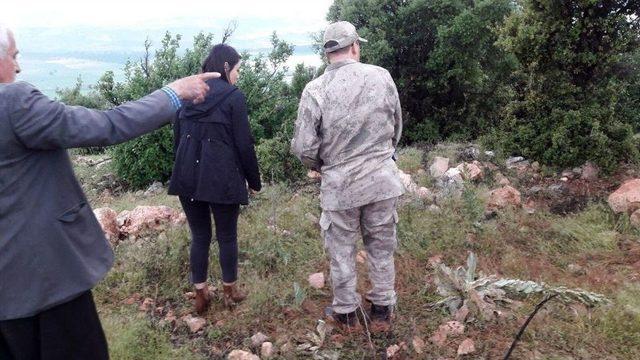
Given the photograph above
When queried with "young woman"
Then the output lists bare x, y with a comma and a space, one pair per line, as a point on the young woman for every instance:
215, 160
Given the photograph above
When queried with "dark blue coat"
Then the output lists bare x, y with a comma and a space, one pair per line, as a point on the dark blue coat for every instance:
215, 156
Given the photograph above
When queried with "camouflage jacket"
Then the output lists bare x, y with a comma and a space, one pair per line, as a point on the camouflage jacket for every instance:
349, 124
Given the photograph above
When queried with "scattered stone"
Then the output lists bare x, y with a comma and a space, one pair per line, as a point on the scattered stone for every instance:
501, 179
316, 280
155, 189
108, 221
132, 299
258, 339
425, 194
535, 166
266, 350
361, 257
490, 154
435, 260
466, 347
146, 305
635, 219
626, 198
418, 344
512, 161
170, 317
569, 174
576, 270
286, 233
471, 172
462, 314
439, 167
392, 351
469, 153
195, 324
314, 219
242, 355
590, 171
530, 206
454, 175
454, 328
314, 175
145, 220
503, 197
434, 208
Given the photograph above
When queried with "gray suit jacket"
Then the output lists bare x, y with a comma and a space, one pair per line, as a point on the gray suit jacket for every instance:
51, 245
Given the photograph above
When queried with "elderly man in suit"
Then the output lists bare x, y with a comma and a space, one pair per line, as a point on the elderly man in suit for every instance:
52, 249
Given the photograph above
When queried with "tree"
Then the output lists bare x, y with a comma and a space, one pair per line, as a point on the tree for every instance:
451, 77
573, 100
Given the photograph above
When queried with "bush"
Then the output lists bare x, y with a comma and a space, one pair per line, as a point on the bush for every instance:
571, 102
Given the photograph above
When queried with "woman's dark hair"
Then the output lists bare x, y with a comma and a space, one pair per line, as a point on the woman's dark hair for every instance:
218, 55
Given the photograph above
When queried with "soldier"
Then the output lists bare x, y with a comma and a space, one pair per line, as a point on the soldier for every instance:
348, 127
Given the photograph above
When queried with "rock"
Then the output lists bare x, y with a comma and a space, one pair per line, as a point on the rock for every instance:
392, 351
503, 197
108, 221
314, 219
576, 270
433, 208
569, 174
469, 153
418, 344
462, 314
455, 175
466, 347
627, 198
425, 194
361, 257
314, 175
439, 167
512, 161
590, 172
146, 305
454, 328
195, 324
145, 220
535, 166
266, 350
501, 179
490, 154
316, 280
155, 189
470, 171
242, 355
635, 219
564, 178
258, 338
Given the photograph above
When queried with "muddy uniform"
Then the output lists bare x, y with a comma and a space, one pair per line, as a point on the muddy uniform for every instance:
349, 124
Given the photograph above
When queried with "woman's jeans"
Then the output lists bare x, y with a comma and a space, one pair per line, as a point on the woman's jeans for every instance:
226, 222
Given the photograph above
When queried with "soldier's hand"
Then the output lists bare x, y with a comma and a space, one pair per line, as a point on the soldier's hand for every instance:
193, 87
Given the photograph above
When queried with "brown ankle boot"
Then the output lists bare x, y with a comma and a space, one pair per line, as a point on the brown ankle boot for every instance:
202, 300
232, 294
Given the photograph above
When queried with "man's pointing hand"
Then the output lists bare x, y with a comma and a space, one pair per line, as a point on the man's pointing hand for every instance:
193, 87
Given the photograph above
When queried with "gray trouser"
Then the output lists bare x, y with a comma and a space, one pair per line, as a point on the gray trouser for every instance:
341, 229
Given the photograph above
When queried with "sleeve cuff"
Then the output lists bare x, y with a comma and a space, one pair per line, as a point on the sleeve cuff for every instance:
173, 97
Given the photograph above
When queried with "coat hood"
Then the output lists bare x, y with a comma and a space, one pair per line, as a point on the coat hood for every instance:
219, 91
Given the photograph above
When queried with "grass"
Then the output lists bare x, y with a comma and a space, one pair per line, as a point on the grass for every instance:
280, 246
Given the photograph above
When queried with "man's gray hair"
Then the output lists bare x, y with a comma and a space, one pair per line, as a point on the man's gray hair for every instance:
5, 35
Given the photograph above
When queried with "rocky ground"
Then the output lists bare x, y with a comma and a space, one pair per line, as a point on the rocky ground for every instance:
482, 240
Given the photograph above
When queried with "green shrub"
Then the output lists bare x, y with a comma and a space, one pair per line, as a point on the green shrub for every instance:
277, 164
570, 100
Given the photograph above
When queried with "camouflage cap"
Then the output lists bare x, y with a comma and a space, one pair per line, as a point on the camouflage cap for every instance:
340, 35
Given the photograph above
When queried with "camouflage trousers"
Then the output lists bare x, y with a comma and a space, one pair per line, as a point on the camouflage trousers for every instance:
376, 222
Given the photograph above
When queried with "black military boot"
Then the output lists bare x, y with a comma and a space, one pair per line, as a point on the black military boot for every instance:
347, 323
381, 317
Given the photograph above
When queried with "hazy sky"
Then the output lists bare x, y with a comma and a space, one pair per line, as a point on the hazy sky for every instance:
159, 13
62, 39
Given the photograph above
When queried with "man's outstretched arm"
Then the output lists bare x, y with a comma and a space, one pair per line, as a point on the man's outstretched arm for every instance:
44, 124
